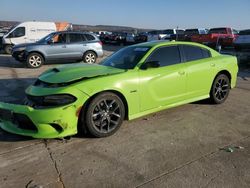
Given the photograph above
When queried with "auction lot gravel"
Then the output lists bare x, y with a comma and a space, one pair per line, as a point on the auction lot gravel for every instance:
194, 145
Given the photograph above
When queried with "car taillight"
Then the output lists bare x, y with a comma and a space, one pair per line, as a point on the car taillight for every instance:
100, 42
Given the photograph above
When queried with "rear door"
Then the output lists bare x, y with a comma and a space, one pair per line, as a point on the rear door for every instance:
200, 68
76, 45
166, 84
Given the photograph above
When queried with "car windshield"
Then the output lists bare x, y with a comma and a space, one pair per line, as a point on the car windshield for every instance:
126, 58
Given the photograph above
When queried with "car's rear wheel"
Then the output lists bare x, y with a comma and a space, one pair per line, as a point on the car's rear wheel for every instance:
8, 49
89, 57
220, 89
34, 60
105, 114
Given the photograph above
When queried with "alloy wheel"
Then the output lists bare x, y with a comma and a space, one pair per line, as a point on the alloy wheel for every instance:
106, 116
221, 89
35, 61
90, 58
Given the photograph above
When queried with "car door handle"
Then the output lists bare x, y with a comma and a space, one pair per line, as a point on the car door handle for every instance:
84, 44
212, 65
181, 72
64, 46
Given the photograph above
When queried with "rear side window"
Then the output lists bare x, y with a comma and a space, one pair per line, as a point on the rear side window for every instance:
166, 56
89, 37
75, 37
193, 53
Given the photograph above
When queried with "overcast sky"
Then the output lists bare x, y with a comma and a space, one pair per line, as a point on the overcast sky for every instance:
153, 14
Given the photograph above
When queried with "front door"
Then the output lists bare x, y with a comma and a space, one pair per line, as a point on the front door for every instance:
18, 36
57, 48
166, 84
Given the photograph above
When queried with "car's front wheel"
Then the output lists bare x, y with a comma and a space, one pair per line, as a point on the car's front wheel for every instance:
8, 49
105, 114
34, 60
220, 89
89, 57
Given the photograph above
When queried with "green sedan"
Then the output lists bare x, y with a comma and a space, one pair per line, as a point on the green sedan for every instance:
133, 82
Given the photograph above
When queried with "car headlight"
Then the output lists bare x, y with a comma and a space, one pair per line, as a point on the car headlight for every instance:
51, 100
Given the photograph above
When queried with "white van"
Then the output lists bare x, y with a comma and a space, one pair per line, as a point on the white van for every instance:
29, 32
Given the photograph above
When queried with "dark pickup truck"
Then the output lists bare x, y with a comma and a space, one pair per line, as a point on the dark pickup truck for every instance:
223, 37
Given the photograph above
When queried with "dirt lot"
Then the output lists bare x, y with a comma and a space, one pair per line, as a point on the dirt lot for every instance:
180, 147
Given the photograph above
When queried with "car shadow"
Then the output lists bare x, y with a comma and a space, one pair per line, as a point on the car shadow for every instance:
8, 137
203, 102
15, 64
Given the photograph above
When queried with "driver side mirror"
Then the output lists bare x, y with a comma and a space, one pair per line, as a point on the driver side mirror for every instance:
150, 64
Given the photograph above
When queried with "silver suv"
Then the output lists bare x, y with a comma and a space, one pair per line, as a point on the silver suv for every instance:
60, 47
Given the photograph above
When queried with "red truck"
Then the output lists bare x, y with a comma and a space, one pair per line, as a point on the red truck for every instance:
216, 37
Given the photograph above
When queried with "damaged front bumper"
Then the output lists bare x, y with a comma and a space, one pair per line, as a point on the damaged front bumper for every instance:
42, 121
39, 123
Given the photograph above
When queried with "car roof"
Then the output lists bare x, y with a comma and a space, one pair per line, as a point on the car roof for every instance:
168, 43
78, 32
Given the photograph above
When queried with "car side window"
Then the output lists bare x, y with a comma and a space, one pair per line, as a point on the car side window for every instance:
84, 37
193, 53
166, 56
59, 38
89, 37
75, 37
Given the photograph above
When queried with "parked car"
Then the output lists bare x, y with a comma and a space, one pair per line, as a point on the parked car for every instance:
104, 37
59, 46
223, 37
154, 35
2, 32
243, 41
121, 38
162, 34
99, 33
133, 82
30, 32
188, 33
130, 38
178, 35
141, 37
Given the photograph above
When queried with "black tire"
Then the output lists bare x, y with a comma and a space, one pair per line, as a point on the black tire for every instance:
34, 60
8, 49
220, 89
90, 57
104, 115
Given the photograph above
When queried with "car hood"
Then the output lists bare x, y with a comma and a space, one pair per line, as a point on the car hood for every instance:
73, 73
24, 45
